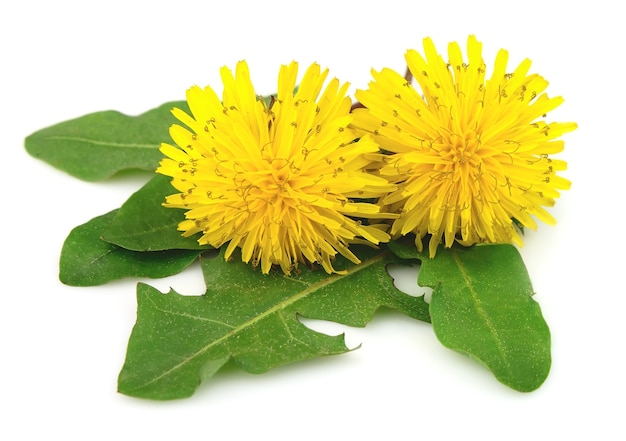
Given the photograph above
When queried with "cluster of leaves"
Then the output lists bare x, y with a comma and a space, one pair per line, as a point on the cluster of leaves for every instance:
481, 303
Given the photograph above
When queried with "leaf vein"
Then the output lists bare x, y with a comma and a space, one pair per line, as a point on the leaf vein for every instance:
482, 312
288, 329
189, 316
149, 230
101, 256
104, 143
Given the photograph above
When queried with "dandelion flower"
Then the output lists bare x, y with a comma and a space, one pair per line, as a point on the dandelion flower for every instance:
471, 156
277, 179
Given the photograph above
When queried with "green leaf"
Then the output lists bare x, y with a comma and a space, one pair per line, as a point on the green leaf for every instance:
482, 305
405, 248
144, 224
87, 260
94, 147
180, 341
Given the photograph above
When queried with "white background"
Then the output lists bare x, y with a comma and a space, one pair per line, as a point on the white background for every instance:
62, 347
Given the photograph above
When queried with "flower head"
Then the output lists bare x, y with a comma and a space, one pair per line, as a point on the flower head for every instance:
471, 155
274, 177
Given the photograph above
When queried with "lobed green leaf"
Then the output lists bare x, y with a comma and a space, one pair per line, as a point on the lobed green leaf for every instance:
87, 260
94, 147
482, 306
180, 341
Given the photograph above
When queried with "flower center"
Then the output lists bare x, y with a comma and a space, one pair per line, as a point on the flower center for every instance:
278, 176
459, 152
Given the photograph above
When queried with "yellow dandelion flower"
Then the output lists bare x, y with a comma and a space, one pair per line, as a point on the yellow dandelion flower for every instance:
471, 156
276, 179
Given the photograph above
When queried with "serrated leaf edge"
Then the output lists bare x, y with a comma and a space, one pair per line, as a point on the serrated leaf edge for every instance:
279, 306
